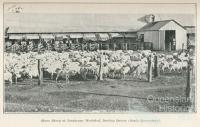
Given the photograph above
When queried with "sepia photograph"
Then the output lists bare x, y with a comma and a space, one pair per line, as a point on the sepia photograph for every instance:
61, 61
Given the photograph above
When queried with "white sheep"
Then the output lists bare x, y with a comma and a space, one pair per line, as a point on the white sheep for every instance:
125, 70
8, 77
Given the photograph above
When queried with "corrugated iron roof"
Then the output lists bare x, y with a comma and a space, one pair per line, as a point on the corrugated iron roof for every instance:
68, 29
76, 35
16, 36
157, 25
103, 36
90, 36
32, 36
154, 25
47, 36
131, 35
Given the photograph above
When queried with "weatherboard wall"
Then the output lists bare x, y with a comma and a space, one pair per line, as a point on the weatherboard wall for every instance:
181, 34
151, 36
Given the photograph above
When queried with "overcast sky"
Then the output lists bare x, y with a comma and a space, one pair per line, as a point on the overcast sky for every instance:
103, 8
101, 16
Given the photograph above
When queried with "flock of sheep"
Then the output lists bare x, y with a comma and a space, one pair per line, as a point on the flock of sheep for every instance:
86, 65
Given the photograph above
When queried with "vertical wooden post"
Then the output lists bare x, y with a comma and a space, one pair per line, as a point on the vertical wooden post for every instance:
110, 40
170, 47
190, 88
149, 59
125, 46
100, 47
108, 47
114, 46
89, 46
40, 71
182, 47
189, 68
156, 67
82, 46
122, 47
100, 69
77, 41
124, 40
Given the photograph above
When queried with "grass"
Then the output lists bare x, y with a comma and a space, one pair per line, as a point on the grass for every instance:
108, 96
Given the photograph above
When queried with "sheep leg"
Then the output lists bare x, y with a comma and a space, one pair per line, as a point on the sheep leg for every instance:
15, 79
180, 70
10, 80
133, 74
140, 77
84, 75
113, 74
96, 77
31, 79
67, 78
52, 75
57, 77
123, 76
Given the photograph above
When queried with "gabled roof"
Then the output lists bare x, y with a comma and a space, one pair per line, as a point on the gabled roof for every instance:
157, 25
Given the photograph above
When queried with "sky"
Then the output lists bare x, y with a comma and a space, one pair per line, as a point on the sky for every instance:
102, 16
103, 8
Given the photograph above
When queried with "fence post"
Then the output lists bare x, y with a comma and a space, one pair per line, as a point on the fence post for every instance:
108, 47
100, 69
125, 46
40, 71
190, 88
182, 47
114, 46
149, 59
89, 46
100, 45
188, 79
170, 47
156, 67
82, 46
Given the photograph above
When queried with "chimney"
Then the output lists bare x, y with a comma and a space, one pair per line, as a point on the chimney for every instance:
151, 18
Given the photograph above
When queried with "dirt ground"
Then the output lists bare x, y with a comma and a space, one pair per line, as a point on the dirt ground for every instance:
108, 96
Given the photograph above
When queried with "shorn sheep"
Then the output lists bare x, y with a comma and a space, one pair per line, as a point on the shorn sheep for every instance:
115, 64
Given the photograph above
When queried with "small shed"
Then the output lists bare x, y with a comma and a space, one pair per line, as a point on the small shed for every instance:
190, 35
164, 35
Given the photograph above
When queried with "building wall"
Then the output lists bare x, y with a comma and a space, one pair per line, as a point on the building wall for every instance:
181, 34
181, 39
151, 36
119, 41
158, 37
131, 43
162, 39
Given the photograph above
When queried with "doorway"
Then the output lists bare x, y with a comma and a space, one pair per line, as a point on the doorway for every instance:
170, 40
